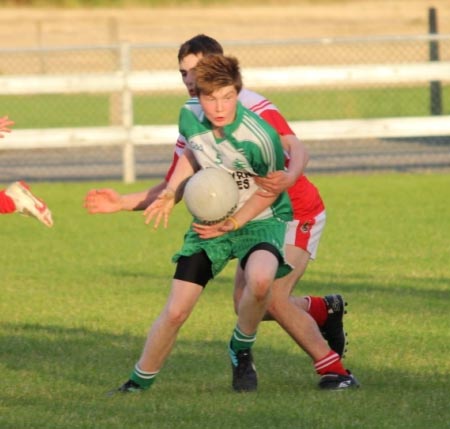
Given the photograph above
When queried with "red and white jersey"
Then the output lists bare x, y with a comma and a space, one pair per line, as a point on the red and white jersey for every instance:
305, 198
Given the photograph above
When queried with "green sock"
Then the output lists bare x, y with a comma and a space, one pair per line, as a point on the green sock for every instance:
143, 378
241, 341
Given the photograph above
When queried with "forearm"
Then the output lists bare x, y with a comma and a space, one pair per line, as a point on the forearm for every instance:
254, 206
141, 200
298, 155
138, 200
186, 166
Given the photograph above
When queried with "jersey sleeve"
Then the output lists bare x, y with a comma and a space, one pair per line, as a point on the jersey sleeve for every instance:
274, 118
178, 150
183, 125
266, 110
169, 173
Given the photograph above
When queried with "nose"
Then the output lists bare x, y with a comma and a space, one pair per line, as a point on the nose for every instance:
189, 80
219, 105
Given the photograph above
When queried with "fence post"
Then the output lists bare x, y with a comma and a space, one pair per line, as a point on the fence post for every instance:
433, 51
128, 161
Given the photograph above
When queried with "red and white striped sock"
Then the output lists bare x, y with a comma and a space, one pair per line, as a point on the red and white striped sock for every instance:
330, 363
317, 309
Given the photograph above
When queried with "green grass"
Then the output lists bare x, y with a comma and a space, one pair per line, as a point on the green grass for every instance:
93, 110
76, 302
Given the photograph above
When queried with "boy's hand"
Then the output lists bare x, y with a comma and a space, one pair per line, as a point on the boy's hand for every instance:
275, 182
160, 208
215, 230
102, 201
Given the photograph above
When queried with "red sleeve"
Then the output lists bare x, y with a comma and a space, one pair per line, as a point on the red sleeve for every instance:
172, 167
274, 118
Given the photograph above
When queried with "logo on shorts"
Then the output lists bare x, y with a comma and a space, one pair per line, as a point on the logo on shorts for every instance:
305, 227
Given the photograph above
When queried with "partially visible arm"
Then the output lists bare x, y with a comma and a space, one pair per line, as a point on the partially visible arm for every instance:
5, 123
161, 208
281, 180
108, 200
252, 208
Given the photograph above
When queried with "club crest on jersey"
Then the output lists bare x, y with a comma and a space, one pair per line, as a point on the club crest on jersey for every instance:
195, 146
305, 227
238, 164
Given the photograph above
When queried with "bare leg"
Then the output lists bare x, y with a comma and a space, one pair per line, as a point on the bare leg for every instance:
259, 274
300, 261
293, 318
300, 326
164, 331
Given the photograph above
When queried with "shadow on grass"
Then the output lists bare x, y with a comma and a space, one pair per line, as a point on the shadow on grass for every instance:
437, 288
74, 368
82, 356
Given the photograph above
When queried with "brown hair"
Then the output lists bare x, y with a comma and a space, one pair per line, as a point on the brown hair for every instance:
217, 71
200, 44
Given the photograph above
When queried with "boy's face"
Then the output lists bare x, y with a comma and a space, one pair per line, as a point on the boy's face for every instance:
220, 106
187, 64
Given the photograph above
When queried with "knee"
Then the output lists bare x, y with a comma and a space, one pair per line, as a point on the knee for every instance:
260, 288
176, 316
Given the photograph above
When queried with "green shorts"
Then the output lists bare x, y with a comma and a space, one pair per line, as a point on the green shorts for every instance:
236, 244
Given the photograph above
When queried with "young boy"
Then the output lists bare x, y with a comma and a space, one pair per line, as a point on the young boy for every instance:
221, 133
299, 316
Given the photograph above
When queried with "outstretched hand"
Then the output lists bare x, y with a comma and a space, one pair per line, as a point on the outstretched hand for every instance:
160, 208
102, 201
215, 230
275, 182
5, 123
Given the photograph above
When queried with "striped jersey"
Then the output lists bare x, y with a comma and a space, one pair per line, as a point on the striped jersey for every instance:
250, 147
304, 195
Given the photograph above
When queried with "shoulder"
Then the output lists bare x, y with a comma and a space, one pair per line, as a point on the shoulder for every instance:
191, 117
192, 106
255, 102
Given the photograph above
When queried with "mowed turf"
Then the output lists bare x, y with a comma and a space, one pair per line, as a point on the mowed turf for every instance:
77, 300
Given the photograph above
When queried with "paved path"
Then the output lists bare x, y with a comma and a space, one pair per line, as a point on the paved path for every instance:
328, 157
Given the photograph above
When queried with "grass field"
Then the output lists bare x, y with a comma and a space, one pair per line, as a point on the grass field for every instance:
76, 301
93, 110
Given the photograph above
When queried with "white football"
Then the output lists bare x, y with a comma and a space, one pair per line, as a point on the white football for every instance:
211, 195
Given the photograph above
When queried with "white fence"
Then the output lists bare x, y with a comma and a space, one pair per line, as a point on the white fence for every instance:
126, 82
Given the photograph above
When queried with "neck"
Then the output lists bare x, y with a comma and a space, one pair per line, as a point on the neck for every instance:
218, 132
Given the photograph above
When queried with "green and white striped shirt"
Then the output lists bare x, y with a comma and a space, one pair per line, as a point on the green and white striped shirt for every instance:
251, 147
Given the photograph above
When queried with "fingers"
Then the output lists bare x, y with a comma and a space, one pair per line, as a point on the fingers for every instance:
210, 231
160, 209
93, 200
155, 213
5, 123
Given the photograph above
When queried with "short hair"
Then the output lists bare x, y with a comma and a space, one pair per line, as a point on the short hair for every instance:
217, 71
200, 44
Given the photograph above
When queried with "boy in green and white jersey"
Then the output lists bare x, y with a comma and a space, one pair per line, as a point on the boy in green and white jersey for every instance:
221, 133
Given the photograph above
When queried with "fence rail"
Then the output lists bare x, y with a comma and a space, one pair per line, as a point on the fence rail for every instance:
268, 77
126, 83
